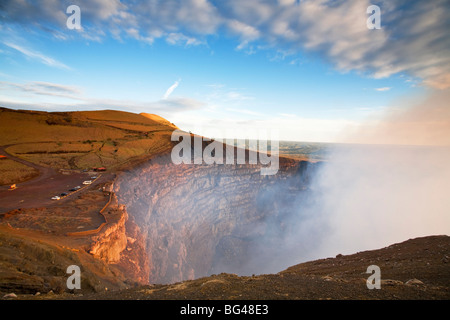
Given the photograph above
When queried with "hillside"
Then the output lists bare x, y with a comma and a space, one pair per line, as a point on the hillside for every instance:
416, 269
78, 140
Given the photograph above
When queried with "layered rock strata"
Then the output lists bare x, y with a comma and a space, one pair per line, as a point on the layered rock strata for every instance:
203, 219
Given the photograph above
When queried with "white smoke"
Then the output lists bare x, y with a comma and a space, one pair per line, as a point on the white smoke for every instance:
392, 186
374, 196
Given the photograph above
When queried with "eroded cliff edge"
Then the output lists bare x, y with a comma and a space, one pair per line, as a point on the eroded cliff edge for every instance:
121, 243
203, 219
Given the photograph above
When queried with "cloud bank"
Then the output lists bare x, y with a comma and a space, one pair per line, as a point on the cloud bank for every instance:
413, 38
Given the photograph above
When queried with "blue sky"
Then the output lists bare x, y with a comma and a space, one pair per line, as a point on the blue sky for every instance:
307, 69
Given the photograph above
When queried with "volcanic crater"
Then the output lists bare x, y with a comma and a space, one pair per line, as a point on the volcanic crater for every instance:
199, 220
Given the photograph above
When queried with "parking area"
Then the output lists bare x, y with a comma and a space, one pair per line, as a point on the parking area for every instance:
76, 189
40, 191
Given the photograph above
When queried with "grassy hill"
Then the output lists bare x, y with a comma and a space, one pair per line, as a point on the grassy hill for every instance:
81, 140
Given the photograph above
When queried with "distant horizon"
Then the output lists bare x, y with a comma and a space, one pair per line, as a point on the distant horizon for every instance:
244, 138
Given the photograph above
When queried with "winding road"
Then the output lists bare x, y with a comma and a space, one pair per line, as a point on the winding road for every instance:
44, 172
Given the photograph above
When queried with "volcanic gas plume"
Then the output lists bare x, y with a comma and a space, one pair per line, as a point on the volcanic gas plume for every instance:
205, 219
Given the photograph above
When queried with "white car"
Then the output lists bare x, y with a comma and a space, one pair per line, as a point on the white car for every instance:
56, 198
87, 182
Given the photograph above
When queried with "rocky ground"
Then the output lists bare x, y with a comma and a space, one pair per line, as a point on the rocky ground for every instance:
417, 269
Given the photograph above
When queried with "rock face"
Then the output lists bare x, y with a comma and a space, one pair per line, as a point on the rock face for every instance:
204, 219
112, 240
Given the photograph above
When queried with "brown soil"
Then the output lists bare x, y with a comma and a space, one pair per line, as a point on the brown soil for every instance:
424, 259
81, 213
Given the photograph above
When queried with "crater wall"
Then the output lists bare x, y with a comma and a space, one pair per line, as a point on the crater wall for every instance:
206, 219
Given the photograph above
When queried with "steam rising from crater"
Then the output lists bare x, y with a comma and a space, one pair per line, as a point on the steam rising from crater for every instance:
207, 219
370, 196
392, 186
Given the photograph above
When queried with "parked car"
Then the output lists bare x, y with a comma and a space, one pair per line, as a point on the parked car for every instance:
87, 182
73, 189
93, 178
63, 194
77, 187
56, 198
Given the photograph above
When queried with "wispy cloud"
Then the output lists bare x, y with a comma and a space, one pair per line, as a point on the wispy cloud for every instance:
43, 89
221, 93
237, 96
215, 85
383, 89
35, 55
245, 111
57, 87
30, 101
181, 39
288, 115
171, 89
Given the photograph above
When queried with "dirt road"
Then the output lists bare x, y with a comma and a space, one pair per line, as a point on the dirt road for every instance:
39, 191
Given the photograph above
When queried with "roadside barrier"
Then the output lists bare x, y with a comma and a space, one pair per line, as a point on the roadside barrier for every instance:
97, 230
